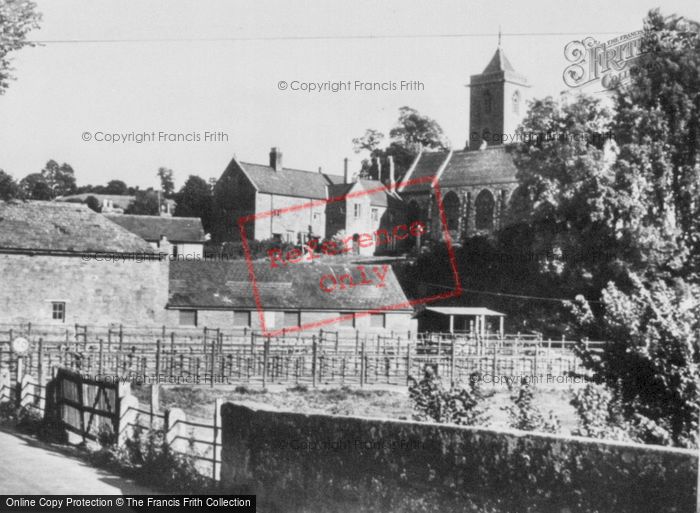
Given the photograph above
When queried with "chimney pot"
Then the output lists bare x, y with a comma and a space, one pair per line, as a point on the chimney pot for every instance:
275, 158
379, 168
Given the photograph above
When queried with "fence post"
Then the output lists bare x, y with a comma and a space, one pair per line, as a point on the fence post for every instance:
173, 425
157, 358
40, 363
127, 413
313, 359
217, 439
154, 402
266, 356
408, 362
213, 363
362, 363
452, 366
100, 356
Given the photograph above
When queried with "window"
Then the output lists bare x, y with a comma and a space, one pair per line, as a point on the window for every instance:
58, 311
375, 215
174, 249
484, 206
516, 102
291, 319
188, 317
346, 323
357, 210
290, 236
377, 320
241, 318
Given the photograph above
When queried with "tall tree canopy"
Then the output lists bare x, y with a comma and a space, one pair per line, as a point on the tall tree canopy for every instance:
17, 19
195, 200
412, 133
166, 181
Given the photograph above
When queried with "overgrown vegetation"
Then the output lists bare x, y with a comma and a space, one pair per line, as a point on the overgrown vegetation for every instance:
524, 415
434, 401
146, 457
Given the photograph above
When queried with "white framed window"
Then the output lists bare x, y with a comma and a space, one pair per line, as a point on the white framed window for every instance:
375, 215
58, 311
357, 210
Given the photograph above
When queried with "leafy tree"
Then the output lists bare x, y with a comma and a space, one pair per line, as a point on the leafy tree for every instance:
17, 19
413, 132
114, 187
658, 129
166, 181
651, 363
59, 178
93, 203
195, 200
34, 186
145, 203
8, 187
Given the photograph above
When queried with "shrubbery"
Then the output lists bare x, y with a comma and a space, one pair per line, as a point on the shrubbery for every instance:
433, 401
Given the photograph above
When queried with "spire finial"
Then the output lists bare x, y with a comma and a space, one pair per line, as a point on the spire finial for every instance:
499, 36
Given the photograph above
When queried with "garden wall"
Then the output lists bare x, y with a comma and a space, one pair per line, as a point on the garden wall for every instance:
323, 463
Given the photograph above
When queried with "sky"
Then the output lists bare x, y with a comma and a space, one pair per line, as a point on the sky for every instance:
206, 66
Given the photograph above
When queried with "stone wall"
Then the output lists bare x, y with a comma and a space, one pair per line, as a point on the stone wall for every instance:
313, 463
94, 291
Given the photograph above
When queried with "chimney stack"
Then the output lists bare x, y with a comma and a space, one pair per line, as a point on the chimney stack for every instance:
275, 159
392, 177
346, 177
379, 169
320, 170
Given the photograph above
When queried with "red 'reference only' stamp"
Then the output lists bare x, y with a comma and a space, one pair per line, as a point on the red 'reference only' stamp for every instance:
347, 274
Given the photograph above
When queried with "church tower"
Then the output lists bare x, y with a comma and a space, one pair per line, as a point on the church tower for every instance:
497, 101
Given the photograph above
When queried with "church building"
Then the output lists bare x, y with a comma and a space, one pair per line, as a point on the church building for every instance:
477, 183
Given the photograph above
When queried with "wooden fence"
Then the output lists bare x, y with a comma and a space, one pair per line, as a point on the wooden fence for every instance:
212, 357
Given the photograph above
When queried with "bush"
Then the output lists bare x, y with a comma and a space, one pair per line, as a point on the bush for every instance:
525, 416
434, 402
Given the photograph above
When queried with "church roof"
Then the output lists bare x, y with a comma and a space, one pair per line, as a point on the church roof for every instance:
463, 168
489, 166
499, 62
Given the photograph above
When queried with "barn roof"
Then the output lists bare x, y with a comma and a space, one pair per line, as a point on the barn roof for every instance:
227, 284
151, 228
63, 227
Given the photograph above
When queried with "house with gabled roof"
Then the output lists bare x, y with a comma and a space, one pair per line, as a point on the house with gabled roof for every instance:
246, 189
64, 263
184, 235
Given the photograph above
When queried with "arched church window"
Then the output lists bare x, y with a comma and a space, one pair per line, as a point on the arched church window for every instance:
451, 205
484, 206
488, 102
516, 102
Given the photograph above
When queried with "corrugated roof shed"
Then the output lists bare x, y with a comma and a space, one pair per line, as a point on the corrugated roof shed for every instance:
64, 227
